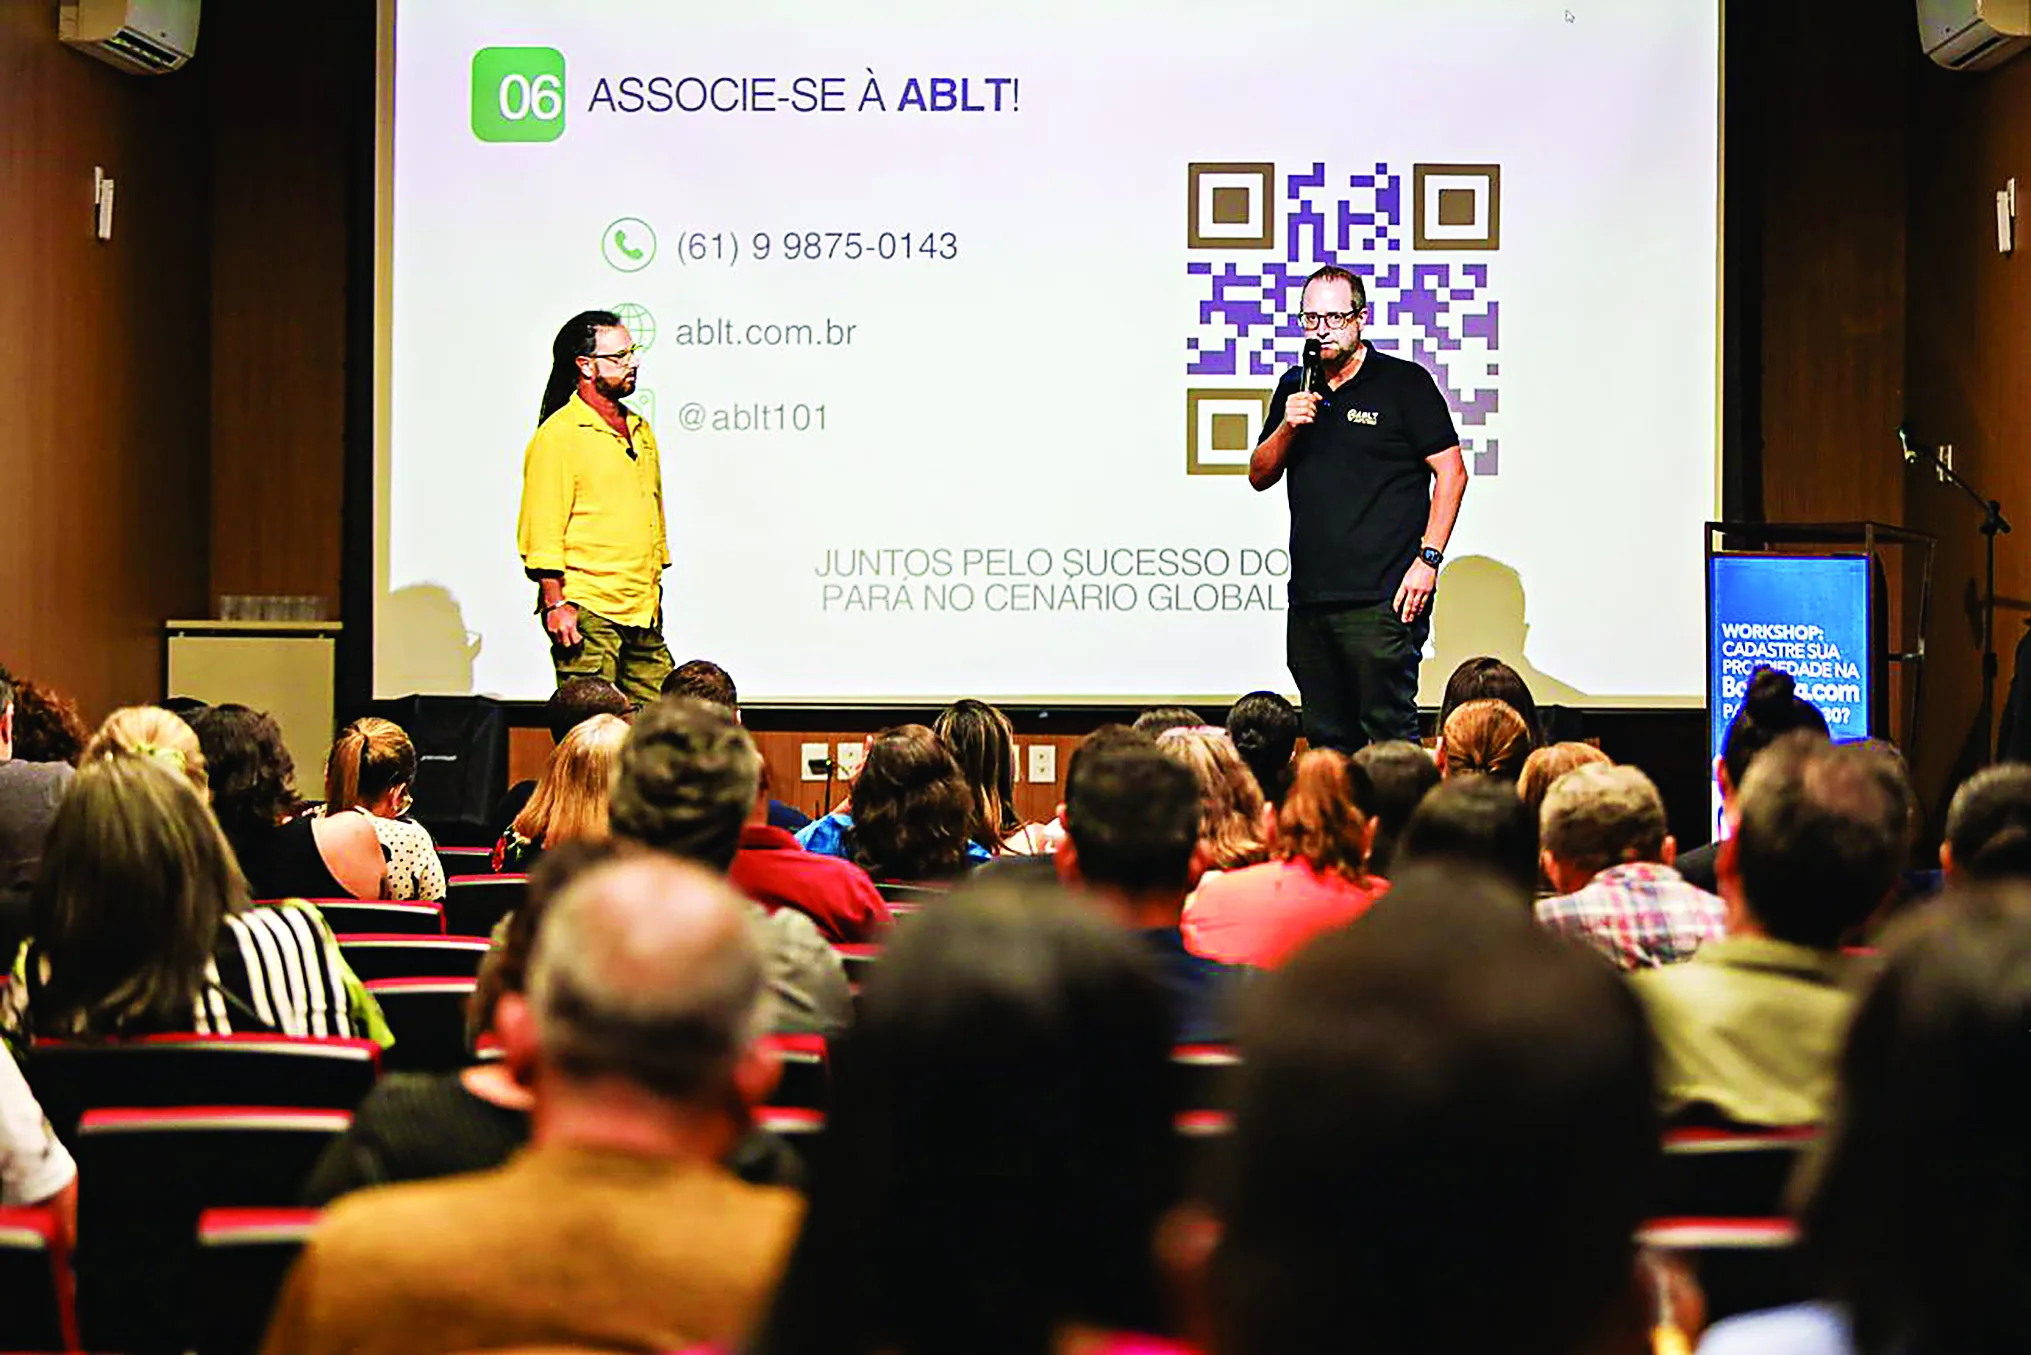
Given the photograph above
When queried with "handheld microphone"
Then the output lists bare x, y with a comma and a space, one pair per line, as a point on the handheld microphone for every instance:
1309, 383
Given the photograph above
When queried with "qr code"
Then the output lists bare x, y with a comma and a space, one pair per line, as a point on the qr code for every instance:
1250, 248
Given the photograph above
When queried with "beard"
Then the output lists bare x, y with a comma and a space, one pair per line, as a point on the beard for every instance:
617, 389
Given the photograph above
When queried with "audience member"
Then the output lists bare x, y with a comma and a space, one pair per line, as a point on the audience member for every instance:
1445, 1136
687, 781
152, 731
907, 815
1608, 854
1748, 1029
1488, 678
1473, 819
1917, 1213
371, 766
47, 725
1265, 730
29, 795
571, 801
1547, 764
575, 701
1000, 1148
421, 1126
35, 1168
1485, 737
1231, 815
1132, 842
1159, 720
774, 871
1315, 880
707, 681
1041, 868
185, 708
1988, 825
616, 1228
141, 924
284, 854
1770, 710
1400, 774
982, 741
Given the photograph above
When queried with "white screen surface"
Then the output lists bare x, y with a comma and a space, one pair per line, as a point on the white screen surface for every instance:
1067, 241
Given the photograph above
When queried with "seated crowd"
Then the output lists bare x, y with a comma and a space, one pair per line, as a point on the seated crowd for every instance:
1459, 996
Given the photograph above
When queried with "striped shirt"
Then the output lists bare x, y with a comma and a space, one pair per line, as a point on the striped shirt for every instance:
1640, 914
275, 969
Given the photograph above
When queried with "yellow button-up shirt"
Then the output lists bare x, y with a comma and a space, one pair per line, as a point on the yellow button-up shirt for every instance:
595, 514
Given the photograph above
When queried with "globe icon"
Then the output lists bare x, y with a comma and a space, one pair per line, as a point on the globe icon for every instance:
640, 324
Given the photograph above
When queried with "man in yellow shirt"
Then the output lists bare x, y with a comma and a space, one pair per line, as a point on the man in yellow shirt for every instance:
591, 532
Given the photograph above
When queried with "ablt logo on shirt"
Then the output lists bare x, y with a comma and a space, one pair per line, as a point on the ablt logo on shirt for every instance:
1364, 416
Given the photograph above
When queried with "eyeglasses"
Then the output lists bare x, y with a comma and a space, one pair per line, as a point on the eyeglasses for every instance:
1327, 319
627, 357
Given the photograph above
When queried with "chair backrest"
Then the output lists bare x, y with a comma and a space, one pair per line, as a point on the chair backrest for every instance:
243, 1257
144, 1177
805, 1077
1203, 1076
390, 956
474, 904
859, 958
181, 1070
360, 915
428, 1017
1206, 1136
1743, 1264
918, 892
35, 1283
1729, 1173
464, 860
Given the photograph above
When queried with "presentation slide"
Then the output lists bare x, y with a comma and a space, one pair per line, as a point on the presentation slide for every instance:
958, 323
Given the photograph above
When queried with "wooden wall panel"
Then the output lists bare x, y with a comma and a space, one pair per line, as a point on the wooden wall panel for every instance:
1827, 149
279, 81
102, 366
1970, 352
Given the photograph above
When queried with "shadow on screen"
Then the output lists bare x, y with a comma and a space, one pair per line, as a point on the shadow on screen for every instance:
421, 644
1481, 610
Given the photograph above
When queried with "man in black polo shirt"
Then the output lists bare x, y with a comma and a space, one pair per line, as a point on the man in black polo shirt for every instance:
1368, 528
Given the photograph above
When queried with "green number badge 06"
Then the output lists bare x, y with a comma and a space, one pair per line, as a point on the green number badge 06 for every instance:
518, 94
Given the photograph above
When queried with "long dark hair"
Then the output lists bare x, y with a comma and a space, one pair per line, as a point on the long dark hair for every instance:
1000, 1145
982, 742
126, 910
576, 340
252, 774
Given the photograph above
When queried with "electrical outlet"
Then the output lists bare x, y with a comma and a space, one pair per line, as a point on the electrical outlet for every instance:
1043, 763
851, 755
813, 761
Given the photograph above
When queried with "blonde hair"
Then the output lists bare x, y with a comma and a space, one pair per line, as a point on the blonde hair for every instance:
152, 732
1230, 801
1486, 736
571, 801
370, 757
1547, 764
135, 879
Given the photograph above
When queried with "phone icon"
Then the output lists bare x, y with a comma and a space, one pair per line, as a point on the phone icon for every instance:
629, 244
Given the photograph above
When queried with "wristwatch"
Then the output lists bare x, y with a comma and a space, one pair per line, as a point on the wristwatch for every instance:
1431, 555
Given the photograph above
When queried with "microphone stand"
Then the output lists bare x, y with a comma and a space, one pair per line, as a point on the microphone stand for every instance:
1993, 525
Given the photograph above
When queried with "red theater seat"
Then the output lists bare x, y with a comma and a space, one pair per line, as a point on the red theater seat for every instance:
243, 1257
473, 904
388, 956
360, 915
427, 1015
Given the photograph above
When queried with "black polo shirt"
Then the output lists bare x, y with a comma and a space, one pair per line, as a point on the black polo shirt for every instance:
1359, 480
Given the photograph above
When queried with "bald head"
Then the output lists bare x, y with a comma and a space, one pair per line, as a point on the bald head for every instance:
645, 970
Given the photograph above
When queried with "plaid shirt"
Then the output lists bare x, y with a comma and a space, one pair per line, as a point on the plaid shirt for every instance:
1639, 914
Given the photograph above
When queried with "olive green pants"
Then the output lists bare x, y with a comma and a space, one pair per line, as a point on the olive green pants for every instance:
633, 658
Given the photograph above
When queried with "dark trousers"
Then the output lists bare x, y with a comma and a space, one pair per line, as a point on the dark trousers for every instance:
1356, 670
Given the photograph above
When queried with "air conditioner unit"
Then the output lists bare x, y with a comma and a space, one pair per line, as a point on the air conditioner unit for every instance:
1973, 35
146, 37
